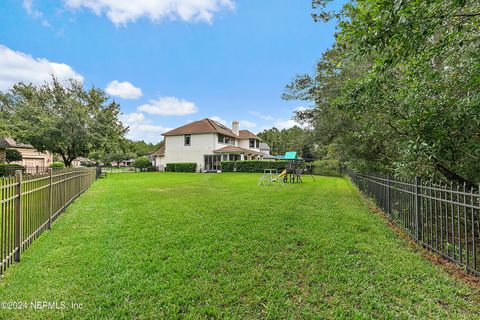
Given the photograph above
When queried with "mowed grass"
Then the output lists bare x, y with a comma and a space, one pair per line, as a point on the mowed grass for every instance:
170, 245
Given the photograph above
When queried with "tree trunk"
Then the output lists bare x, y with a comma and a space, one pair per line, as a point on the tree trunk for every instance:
453, 176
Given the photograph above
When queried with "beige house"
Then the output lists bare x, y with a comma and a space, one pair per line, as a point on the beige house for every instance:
207, 142
31, 157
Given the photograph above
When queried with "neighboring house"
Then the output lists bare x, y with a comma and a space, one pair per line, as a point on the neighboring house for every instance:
207, 143
31, 157
123, 163
265, 149
157, 157
81, 161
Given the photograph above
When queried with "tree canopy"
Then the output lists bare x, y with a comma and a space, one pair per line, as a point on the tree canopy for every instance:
64, 119
399, 90
291, 139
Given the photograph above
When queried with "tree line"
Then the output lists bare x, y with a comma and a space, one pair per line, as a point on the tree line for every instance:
398, 92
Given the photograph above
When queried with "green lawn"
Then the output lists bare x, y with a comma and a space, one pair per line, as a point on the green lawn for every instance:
170, 245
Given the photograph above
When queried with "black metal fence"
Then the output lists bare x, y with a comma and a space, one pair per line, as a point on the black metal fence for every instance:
127, 169
29, 204
442, 217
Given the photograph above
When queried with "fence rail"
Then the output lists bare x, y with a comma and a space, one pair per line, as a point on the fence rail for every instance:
30, 203
443, 218
127, 169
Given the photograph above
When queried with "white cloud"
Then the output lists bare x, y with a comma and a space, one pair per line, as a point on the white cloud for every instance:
146, 132
169, 106
262, 116
19, 67
121, 12
124, 90
132, 118
220, 120
285, 124
140, 128
28, 6
245, 124
36, 14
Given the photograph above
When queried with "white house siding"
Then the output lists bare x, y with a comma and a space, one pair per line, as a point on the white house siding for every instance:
159, 162
245, 143
200, 145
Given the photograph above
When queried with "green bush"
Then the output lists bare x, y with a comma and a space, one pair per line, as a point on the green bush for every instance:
57, 165
9, 169
328, 167
228, 166
252, 166
142, 162
181, 167
12, 155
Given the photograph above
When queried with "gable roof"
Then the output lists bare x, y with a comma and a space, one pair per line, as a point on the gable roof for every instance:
209, 126
264, 146
201, 126
245, 134
11, 143
160, 152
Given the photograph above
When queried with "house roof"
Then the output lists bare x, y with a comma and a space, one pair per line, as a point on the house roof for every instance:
201, 126
160, 152
11, 143
234, 149
264, 146
209, 126
245, 134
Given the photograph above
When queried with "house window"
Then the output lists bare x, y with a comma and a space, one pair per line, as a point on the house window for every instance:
252, 143
234, 157
226, 139
187, 139
257, 143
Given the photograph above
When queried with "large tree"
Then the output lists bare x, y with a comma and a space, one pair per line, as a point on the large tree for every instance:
64, 119
401, 84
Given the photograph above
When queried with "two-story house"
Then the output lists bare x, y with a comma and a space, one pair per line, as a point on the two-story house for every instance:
207, 142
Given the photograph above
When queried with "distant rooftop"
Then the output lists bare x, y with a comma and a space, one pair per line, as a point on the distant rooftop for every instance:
11, 143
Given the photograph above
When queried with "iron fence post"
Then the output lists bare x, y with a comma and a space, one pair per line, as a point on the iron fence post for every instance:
64, 191
417, 208
389, 206
18, 216
50, 202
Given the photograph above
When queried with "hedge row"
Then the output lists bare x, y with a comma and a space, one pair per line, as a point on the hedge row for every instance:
7, 169
252, 166
181, 167
57, 165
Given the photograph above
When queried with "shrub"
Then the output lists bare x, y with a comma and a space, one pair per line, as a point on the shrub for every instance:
181, 167
57, 165
142, 162
9, 169
328, 167
228, 166
252, 165
12, 155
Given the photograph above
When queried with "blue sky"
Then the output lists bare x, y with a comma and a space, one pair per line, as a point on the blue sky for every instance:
168, 62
